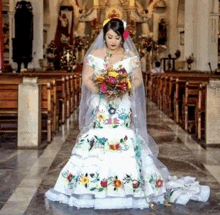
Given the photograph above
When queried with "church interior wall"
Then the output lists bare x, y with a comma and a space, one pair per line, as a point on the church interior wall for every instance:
185, 31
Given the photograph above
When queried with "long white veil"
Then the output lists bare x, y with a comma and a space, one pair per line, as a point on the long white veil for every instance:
138, 105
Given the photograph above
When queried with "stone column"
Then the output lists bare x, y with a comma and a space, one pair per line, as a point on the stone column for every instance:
189, 29
207, 30
29, 114
212, 127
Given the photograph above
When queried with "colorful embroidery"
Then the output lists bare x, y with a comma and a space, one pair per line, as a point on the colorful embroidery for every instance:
90, 61
71, 179
135, 62
112, 117
156, 181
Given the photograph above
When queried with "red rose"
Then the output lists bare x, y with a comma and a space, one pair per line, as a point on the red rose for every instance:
104, 183
159, 183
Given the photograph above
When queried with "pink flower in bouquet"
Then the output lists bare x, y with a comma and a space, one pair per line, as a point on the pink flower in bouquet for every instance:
126, 34
123, 86
112, 80
122, 71
103, 88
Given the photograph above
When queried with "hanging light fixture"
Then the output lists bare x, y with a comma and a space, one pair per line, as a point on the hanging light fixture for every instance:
65, 5
160, 6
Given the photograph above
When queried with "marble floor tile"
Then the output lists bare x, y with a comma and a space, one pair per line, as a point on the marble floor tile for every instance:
214, 170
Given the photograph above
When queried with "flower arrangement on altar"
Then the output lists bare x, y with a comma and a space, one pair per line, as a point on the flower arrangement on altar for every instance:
190, 60
113, 83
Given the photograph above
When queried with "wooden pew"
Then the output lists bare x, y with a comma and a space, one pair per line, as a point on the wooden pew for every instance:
51, 88
176, 93
190, 100
200, 113
9, 105
77, 89
47, 109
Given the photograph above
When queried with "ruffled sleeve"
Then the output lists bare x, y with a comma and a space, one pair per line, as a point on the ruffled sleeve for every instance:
90, 60
135, 62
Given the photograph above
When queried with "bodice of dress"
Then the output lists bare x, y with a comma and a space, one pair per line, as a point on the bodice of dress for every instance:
98, 64
116, 113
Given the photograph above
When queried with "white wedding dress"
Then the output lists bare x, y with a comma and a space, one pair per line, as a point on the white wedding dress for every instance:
109, 169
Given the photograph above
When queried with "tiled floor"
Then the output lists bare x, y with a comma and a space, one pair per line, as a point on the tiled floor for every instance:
25, 175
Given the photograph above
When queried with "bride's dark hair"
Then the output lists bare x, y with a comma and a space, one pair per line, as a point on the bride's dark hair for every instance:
117, 26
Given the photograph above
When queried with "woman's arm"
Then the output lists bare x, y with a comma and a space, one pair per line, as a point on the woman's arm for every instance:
137, 78
87, 79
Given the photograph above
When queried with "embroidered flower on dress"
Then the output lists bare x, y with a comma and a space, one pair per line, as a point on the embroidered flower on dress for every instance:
135, 183
115, 146
104, 183
112, 110
123, 116
102, 140
84, 179
117, 183
69, 177
100, 116
159, 183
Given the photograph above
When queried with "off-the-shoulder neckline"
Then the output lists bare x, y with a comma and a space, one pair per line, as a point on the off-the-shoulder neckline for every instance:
114, 63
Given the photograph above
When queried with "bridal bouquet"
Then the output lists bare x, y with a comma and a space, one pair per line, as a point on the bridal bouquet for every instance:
113, 83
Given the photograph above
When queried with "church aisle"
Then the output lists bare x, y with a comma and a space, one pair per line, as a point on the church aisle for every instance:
26, 175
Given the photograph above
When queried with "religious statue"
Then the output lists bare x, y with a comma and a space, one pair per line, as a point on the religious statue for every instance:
140, 15
162, 32
80, 33
84, 17
64, 28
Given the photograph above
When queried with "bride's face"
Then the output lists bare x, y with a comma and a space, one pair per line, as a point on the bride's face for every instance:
113, 40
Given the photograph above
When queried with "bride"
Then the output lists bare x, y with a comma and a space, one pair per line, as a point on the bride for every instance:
114, 163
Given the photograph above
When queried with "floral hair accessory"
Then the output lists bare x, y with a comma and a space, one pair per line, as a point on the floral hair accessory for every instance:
105, 22
126, 34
